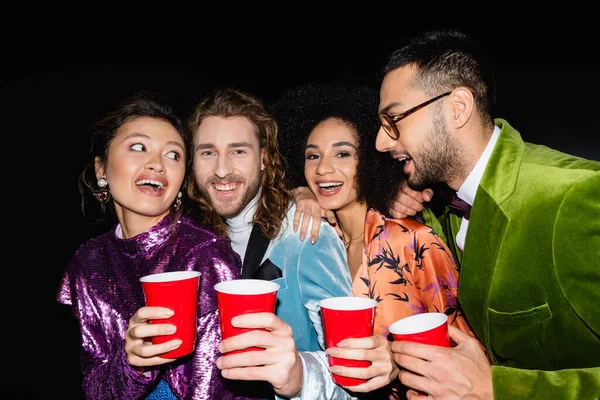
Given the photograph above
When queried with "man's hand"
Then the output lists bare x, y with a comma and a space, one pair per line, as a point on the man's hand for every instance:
375, 349
138, 337
307, 206
457, 372
409, 202
279, 364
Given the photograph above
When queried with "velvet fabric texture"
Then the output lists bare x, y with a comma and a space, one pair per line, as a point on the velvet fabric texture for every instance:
530, 273
310, 273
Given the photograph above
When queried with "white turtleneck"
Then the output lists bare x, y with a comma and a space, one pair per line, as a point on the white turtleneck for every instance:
468, 189
240, 226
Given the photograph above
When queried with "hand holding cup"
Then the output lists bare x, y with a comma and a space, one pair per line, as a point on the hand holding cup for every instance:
344, 318
178, 291
426, 328
243, 296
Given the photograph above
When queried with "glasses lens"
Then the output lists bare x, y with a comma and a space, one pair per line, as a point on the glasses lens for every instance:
388, 126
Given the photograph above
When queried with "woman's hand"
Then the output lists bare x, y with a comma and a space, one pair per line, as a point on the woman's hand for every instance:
376, 349
307, 206
138, 338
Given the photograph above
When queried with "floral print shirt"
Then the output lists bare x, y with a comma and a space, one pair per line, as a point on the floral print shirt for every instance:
409, 270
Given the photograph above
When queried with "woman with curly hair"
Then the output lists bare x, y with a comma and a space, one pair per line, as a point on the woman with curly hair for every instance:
327, 137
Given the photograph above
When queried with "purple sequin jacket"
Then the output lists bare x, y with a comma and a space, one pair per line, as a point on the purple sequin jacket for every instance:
101, 283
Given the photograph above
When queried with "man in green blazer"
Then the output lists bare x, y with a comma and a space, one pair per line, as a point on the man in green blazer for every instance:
529, 252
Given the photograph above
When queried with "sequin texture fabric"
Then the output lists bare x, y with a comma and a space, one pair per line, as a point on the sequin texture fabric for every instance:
101, 284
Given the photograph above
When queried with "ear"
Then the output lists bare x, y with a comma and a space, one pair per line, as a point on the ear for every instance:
99, 167
262, 159
462, 106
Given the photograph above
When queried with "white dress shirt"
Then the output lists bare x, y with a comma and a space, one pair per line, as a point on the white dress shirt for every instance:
468, 189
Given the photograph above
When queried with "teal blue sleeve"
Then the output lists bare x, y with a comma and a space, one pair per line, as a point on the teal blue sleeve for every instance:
324, 273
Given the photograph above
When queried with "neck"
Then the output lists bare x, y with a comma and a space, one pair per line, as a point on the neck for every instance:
351, 220
132, 224
472, 145
243, 220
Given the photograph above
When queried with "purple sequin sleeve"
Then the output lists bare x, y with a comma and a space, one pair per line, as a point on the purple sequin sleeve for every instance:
101, 284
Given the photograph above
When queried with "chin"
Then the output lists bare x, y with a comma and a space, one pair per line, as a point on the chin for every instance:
330, 204
415, 184
228, 209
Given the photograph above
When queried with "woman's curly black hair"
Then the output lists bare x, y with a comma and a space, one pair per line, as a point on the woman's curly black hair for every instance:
300, 109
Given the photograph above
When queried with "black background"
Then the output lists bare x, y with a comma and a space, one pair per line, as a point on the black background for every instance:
58, 77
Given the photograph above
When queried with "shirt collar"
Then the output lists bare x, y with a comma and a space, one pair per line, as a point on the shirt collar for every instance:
468, 189
243, 220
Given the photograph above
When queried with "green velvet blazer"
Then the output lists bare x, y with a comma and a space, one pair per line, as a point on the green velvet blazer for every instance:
530, 274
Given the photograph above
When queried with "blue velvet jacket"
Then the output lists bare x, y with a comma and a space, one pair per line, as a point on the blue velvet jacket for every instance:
310, 272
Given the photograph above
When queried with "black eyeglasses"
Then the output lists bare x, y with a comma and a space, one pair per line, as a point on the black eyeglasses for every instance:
388, 122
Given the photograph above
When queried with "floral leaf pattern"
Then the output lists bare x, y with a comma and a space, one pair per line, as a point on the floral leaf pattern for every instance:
408, 269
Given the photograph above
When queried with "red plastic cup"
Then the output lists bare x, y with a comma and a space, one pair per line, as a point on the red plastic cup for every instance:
343, 318
178, 291
426, 328
243, 296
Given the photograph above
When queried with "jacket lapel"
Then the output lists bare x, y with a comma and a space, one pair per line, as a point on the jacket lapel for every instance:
487, 228
484, 238
255, 251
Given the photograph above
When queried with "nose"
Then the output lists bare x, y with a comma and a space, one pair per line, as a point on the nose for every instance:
324, 167
224, 167
155, 163
383, 142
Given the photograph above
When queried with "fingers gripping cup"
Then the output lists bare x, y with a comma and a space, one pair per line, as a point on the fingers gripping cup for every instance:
178, 291
427, 328
344, 318
243, 296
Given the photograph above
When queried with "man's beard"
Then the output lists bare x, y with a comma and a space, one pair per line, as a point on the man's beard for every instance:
231, 208
438, 160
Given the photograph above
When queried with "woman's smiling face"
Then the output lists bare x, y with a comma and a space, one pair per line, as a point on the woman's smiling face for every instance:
331, 158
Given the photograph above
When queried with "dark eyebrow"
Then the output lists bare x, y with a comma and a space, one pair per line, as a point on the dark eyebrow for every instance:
201, 146
240, 144
176, 144
340, 144
234, 145
387, 108
336, 144
143, 135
